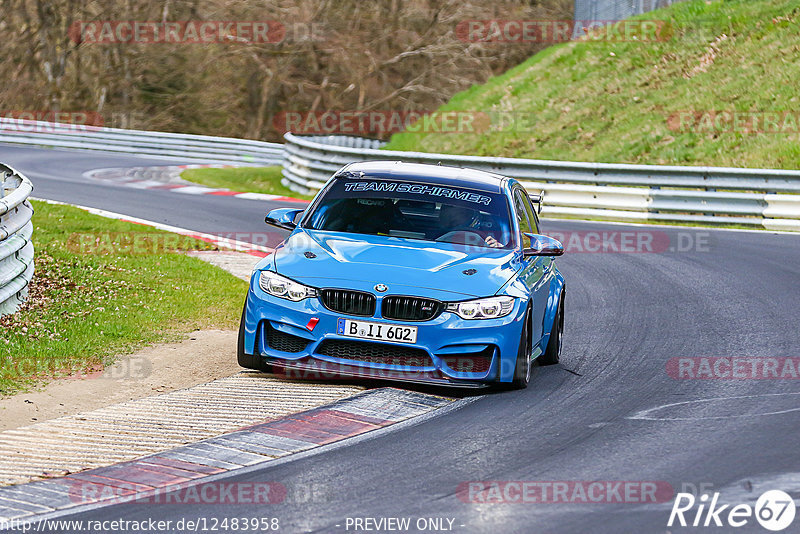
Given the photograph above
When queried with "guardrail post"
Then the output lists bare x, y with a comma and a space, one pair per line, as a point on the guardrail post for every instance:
3, 177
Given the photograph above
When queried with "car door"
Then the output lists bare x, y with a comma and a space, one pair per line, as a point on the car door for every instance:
536, 269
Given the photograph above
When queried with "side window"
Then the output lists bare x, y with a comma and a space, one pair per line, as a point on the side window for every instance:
522, 218
531, 212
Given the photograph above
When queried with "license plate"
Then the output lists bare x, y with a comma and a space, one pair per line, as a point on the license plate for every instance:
380, 331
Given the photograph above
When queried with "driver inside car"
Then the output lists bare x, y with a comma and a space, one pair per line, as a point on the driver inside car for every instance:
457, 219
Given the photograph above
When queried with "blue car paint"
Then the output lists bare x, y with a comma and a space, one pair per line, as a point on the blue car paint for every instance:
410, 267
422, 264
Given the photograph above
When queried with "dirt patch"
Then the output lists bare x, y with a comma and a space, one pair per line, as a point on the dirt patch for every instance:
708, 58
204, 356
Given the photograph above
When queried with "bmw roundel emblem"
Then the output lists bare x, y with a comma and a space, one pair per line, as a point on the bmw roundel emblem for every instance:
380, 288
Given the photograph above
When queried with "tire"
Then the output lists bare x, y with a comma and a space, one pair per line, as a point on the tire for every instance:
552, 353
249, 361
523, 366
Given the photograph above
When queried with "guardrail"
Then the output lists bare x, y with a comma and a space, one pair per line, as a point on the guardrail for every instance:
16, 249
712, 195
185, 147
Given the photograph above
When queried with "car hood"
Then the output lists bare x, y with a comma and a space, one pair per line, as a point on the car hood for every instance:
333, 259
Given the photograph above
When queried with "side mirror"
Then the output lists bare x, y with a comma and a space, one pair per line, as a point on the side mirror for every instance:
283, 218
542, 245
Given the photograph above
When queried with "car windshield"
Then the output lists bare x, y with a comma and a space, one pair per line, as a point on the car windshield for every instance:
413, 211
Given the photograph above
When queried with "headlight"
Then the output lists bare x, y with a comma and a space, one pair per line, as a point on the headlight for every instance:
280, 286
488, 308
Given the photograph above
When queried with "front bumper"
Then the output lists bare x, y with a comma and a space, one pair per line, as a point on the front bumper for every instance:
449, 351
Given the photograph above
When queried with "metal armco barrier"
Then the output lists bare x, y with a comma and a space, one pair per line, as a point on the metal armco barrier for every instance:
185, 147
16, 249
713, 195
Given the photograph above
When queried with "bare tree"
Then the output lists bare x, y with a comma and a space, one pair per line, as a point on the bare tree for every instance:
336, 55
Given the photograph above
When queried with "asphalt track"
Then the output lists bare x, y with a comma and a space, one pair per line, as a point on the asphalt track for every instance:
733, 294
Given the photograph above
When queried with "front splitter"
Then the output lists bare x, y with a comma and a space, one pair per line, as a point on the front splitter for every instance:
315, 372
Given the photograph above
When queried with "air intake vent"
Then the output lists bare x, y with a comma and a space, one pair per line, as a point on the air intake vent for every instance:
284, 342
365, 351
349, 302
410, 308
476, 362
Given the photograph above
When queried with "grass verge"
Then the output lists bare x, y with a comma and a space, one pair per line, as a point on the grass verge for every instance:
103, 288
622, 102
246, 179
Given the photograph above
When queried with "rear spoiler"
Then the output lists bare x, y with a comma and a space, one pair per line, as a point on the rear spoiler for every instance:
538, 200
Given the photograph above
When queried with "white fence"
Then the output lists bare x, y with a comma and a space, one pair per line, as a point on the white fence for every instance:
184, 147
712, 195
16, 249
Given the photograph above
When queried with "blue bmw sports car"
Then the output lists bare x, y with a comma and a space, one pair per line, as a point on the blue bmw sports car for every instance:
399, 271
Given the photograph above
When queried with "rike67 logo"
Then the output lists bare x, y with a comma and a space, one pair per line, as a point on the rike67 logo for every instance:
774, 510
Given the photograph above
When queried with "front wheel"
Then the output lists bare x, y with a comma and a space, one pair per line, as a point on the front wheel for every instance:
522, 369
553, 351
249, 361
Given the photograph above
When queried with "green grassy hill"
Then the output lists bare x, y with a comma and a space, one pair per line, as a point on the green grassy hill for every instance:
612, 102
